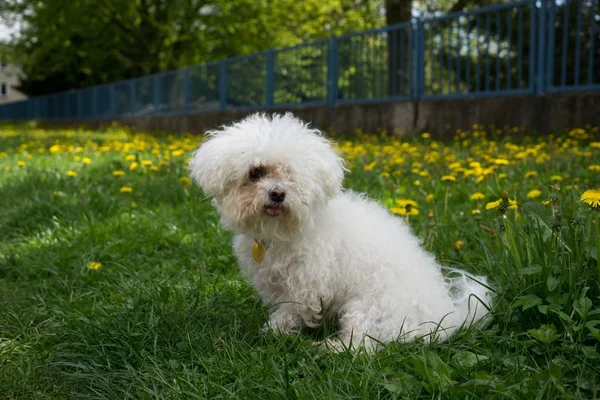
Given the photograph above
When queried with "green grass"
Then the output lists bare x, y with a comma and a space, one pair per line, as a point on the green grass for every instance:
167, 316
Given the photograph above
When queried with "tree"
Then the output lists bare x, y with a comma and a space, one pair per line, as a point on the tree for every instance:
69, 44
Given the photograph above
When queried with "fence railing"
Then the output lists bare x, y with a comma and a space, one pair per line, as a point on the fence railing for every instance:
525, 47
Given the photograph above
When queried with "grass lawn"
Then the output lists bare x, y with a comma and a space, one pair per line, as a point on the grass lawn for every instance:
117, 282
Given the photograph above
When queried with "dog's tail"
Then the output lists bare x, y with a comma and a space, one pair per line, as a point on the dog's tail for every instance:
472, 297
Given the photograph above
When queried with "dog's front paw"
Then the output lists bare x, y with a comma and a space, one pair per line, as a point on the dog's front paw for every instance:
285, 324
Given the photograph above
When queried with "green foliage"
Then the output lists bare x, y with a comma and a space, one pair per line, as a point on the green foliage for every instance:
68, 44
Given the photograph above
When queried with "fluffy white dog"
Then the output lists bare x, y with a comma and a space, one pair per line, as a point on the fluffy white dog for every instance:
312, 250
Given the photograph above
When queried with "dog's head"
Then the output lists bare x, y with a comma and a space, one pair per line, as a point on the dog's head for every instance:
269, 176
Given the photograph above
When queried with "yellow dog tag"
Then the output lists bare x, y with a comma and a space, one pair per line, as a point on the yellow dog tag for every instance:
258, 252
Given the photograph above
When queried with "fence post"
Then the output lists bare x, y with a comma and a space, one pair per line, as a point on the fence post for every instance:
540, 69
223, 84
270, 78
416, 59
186, 90
332, 71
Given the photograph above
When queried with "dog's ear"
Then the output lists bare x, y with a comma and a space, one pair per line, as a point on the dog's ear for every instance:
210, 167
329, 167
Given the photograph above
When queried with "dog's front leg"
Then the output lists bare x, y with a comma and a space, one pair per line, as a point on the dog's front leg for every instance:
286, 319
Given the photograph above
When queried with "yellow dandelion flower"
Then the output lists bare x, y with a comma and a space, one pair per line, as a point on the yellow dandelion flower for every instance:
86, 160
594, 168
556, 178
118, 173
591, 198
184, 180
370, 166
146, 163
133, 166
501, 161
94, 265
177, 153
595, 145
130, 157
429, 198
546, 202
513, 205
417, 183
71, 173
407, 202
501, 176
493, 204
531, 174
533, 194
21, 163
475, 212
426, 135
77, 158
385, 174
477, 196
126, 189
448, 178
404, 211
153, 168
459, 244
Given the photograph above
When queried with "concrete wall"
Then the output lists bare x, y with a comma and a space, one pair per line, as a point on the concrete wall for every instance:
538, 114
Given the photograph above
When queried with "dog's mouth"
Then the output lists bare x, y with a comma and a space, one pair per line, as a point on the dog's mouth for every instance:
273, 210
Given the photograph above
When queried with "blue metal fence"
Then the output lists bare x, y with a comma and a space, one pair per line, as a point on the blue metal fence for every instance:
519, 48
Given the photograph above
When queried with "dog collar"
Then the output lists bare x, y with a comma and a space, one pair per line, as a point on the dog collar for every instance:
258, 251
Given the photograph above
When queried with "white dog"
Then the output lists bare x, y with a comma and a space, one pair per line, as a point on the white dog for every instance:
313, 250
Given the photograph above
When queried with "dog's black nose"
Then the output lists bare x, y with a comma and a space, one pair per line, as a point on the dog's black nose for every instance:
276, 195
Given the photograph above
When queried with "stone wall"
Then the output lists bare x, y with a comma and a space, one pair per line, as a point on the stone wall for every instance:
538, 114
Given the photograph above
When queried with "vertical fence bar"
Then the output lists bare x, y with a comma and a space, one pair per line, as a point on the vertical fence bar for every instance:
94, 101
270, 78
113, 100
131, 108
498, 50
534, 46
563, 71
156, 93
488, 34
332, 71
478, 54
468, 61
592, 37
411, 61
79, 103
186, 90
551, 43
577, 44
541, 59
431, 44
509, 52
421, 58
520, 49
457, 41
223, 84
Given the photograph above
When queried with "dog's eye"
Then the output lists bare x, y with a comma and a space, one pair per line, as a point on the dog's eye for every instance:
257, 173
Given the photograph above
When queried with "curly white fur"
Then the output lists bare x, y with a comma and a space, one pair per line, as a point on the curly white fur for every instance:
327, 251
